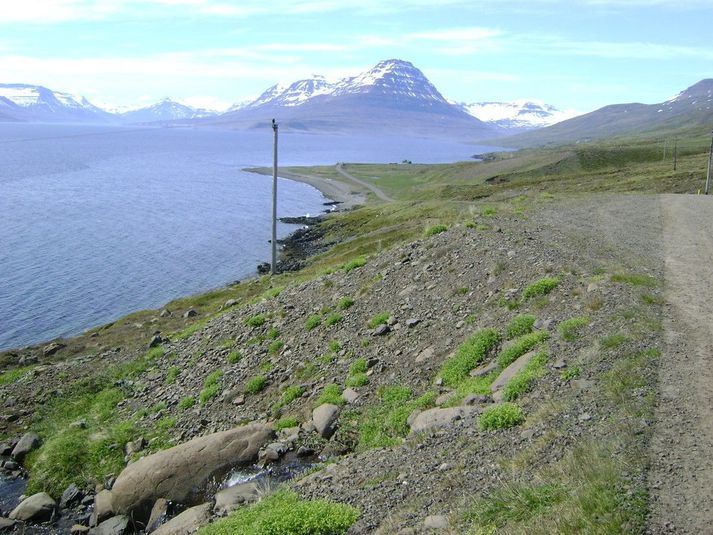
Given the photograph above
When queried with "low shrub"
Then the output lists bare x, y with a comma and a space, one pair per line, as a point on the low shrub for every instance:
357, 379
255, 385
520, 325
380, 319
333, 319
286, 422
501, 416
234, 357
468, 355
520, 346
435, 229
569, 329
357, 262
540, 287
312, 322
345, 302
257, 320
186, 403
172, 375
331, 394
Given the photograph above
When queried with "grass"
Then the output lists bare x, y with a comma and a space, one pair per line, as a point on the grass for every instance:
334, 345
541, 287
255, 385
273, 333
172, 375
468, 355
569, 329
275, 346
379, 319
353, 264
570, 373
360, 365
258, 320
211, 387
435, 229
525, 378
333, 319
501, 416
12, 376
273, 292
649, 299
520, 346
186, 403
189, 331
520, 325
284, 513
313, 322
357, 380
286, 422
635, 279
291, 393
331, 394
345, 303
234, 357
612, 341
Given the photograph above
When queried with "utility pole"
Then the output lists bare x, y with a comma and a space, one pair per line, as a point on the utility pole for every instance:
664, 150
708, 176
273, 266
675, 152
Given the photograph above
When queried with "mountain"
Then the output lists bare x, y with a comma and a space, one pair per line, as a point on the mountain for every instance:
517, 116
34, 103
393, 96
692, 109
164, 110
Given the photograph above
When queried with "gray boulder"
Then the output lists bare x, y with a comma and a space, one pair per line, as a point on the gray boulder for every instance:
229, 499
116, 525
174, 473
6, 525
27, 443
508, 373
103, 508
70, 496
158, 515
324, 418
437, 418
39, 507
189, 521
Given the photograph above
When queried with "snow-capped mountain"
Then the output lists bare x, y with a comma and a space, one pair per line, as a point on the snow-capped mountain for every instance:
393, 95
519, 115
37, 103
164, 110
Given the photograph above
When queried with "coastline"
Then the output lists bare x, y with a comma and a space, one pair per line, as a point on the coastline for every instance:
334, 190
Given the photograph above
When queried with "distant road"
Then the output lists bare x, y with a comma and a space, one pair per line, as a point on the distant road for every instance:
376, 191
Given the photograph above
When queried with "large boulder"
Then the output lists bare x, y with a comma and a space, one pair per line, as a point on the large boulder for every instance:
7, 525
229, 499
497, 386
189, 521
158, 515
437, 418
27, 443
174, 473
103, 507
37, 508
324, 418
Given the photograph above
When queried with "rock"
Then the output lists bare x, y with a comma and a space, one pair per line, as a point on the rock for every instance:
508, 373
229, 499
52, 348
5, 449
444, 398
436, 522
158, 515
156, 340
559, 364
472, 399
190, 313
240, 400
174, 473
10, 466
78, 529
70, 496
165, 313
426, 354
584, 417
324, 418
485, 369
305, 451
230, 303
134, 447
27, 443
116, 525
350, 395
381, 330
435, 418
273, 452
189, 521
39, 507
412, 322
87, 500
103, 507
6, 525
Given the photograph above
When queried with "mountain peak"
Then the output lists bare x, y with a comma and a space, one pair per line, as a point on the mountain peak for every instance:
698, 91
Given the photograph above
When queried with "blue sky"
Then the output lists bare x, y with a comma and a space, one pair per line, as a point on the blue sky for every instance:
576, 54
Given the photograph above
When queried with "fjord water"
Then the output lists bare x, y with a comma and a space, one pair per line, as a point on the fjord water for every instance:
102, 221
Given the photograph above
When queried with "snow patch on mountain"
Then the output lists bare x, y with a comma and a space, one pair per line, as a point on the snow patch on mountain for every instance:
518, 114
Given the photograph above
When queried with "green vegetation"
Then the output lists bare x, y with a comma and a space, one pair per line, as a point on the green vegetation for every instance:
312, 322
186, 403
345, 302
284, 513
520, 346
286, 422
172, 375
234, 357
210, 387
520, 325
385, 424
188, 331
331, 394
501, 416
275, 347
570, 373
273, 333
258, 320
335, 345
612, 341
635, 279
333, 319
291, 393
379, 319
360, 365
569, 329
356, 380
357, 262
488, 211
524, 379
540, 287
12, 376
255, 385
649, 299
468, 355
272, 292
435, 229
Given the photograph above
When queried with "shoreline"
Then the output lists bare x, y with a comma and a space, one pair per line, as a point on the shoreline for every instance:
332, 189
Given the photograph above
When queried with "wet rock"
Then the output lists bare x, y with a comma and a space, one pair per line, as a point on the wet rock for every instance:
27, 443
305, 451
175, 472
70, 496
39, 507
273, 452
6, 449
10, 465
190, 313
116, 525
6, 525
324, 418
189, 521
158, 515
229, 499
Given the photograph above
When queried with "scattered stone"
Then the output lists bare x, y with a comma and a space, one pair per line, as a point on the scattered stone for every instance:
581, 384
426, 354
559, 364
39, 507
435, 418
190, 313
87, 500
230, 303
70, 496
229, 499
116, 525
584, 417
381, 330
135, 446
273, 452
5, 449
10, 465
435, 522
52, 348
412, 322
444, 398
27, 443
350, 395
158, 515
174, 473
165, 313
305, 451
189, 521
324, 418
472, 399
240, 400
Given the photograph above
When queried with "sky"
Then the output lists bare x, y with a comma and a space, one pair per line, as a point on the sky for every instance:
576, 54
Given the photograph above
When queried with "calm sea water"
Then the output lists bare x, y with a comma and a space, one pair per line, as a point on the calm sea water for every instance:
101, 221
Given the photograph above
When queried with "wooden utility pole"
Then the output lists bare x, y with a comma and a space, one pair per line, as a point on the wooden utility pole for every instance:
273, 266
708, 176
675, 152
